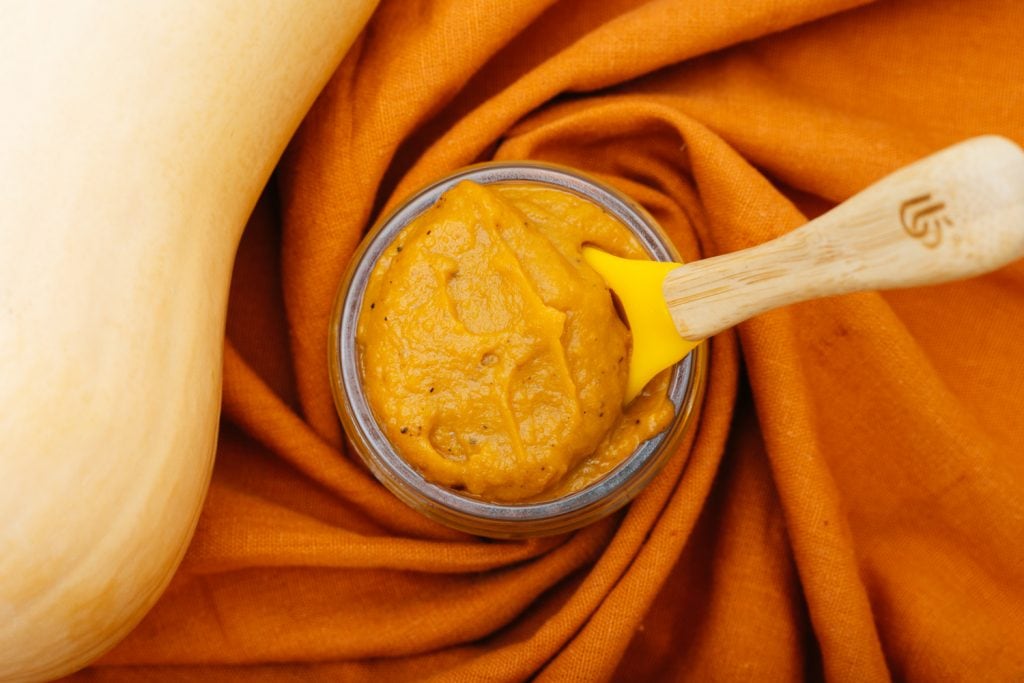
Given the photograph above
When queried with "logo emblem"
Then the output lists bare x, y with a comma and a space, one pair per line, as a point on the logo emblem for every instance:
923, 218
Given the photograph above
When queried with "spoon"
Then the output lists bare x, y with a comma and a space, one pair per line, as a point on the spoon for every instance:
952, 215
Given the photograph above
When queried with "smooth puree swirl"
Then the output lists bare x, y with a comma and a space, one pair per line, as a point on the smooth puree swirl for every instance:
492, 354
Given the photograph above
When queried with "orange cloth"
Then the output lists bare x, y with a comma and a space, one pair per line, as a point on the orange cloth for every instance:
852, 505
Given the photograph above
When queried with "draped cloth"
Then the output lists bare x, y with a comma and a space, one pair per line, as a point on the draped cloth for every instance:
851, 504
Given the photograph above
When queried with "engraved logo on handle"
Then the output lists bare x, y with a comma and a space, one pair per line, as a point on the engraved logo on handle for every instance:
923, 218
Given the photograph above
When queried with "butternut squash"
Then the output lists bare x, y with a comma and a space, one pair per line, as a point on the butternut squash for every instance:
136, 138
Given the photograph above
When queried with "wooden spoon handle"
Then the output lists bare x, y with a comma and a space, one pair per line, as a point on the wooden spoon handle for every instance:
952, 215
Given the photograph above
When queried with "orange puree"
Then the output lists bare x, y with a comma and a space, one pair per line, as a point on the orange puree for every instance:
492, 354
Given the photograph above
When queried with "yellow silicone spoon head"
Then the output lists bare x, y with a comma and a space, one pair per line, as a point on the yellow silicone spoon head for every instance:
638, 286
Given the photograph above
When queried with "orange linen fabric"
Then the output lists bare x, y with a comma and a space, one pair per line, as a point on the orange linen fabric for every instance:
852, 504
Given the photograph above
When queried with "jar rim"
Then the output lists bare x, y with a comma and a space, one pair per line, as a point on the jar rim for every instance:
463, 511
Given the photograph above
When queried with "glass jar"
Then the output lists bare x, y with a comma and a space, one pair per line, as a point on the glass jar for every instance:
460, 510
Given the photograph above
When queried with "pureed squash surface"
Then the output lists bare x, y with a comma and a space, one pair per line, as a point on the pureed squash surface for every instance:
492, 354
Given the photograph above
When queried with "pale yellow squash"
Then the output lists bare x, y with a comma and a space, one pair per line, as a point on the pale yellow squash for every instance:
135, 138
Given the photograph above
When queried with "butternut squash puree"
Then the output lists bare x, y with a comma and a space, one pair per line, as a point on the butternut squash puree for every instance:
492, 354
